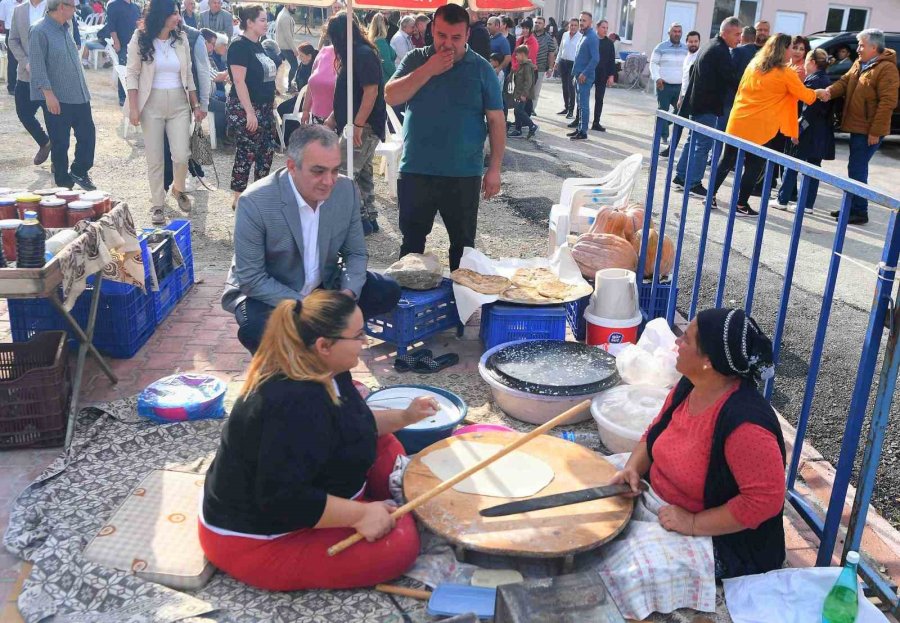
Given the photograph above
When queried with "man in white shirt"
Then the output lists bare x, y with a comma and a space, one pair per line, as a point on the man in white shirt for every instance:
693, 47
402, 40
12, 65
666, 62
565, 61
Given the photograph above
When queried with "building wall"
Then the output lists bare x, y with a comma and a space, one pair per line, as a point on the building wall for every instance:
650, 16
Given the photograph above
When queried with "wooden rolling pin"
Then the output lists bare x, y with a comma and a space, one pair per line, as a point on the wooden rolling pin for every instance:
425, 497
403, 591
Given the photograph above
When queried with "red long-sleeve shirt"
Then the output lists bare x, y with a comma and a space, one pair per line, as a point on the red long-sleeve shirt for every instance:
681, 461
532, 43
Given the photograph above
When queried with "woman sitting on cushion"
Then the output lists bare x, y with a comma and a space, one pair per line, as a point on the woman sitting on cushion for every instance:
715, 453
303, 463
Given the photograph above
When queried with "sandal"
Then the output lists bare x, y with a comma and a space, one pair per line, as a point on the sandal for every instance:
406, 363
429, 365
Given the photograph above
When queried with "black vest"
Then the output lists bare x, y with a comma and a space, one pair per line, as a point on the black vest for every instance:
748, 551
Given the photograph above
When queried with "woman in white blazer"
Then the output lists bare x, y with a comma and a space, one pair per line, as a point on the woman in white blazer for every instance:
161, 95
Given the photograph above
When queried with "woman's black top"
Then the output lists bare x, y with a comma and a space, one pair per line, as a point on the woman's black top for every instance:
284, 448
303, 74
366, 72
260, 77
746, 552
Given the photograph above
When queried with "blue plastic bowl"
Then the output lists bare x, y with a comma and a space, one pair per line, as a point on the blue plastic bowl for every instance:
415, 439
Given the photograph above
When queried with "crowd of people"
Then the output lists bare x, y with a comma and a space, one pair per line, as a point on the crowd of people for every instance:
773, 90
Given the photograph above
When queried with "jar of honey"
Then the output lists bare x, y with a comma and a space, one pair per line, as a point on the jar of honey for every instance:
7, 207
100, 199
8, 229
79, 211
27, 201
53, 213
69, 195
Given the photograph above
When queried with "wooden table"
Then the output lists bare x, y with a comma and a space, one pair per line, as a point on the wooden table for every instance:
551, 533
44, 282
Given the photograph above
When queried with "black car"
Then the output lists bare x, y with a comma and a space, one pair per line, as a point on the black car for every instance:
831, 42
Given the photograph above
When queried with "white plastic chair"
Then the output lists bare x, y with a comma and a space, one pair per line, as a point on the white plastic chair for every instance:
279, 127
126, 123
391, 150
624, 173
296, 114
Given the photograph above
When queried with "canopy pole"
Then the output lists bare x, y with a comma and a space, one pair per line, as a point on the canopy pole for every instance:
350, 127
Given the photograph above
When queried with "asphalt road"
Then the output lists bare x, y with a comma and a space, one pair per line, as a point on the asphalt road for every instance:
532, 178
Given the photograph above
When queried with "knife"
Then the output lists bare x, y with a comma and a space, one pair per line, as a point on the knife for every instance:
557, 499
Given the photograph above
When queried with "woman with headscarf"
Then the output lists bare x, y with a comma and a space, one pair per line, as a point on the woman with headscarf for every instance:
162, 94
764, 112
715, 453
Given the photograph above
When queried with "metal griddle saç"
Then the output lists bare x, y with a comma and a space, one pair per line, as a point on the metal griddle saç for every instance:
553, 368
556, 500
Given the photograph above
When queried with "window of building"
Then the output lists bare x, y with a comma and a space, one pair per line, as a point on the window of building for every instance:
745, 10
626, 19
846, 18
600, 8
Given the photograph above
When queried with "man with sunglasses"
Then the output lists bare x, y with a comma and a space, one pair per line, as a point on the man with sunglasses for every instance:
297, 230
57, 78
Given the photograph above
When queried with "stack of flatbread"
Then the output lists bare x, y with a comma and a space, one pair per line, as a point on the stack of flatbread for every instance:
527, 285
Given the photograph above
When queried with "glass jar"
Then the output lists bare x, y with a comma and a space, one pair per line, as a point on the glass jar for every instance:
53, 213
78, 211
27, 201
7, 207
49, 192
69, 195
8, 229
100, 199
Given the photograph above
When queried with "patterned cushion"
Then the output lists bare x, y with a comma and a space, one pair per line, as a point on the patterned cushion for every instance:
154, 533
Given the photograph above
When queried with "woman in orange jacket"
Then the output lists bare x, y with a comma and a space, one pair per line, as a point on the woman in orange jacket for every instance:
764, 112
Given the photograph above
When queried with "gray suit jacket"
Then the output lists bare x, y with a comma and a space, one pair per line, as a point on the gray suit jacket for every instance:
18, 39
268, 243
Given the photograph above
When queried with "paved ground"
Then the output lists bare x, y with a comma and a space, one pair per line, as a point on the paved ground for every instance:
199, 336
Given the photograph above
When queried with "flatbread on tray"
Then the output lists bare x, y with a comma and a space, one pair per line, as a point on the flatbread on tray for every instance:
532, 277
515, 294
484, 284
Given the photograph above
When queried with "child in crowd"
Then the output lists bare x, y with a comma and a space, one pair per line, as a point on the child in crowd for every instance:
496, 61
523, 93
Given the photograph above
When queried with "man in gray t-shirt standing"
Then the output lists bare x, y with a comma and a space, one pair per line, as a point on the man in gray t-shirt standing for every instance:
546, 56
58, 78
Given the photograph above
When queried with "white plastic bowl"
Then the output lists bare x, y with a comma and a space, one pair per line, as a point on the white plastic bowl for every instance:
623, 434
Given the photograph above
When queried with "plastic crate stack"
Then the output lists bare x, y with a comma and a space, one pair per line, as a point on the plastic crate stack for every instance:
650, 309
502, 323
126, 317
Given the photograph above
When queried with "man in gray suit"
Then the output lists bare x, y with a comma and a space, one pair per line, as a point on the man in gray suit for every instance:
24, 16
291, 229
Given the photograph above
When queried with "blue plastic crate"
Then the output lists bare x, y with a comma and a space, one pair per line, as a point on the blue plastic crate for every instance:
505, 323
184, 275
30, 316
575, 316
182, 235
165, 300
657, 307
117, 287
418, 315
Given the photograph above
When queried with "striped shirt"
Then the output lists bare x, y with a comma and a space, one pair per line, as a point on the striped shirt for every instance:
666, 62
546, 47
55, 63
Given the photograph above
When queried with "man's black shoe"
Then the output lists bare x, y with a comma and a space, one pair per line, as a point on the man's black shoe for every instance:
578, 136
698, 191
664, 153
563, 112
573, 133
574, 124
678, 183
570, 114
83, 180
596, 127
835, 213
858, 219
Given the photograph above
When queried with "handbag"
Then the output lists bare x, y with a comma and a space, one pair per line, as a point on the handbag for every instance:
201, 149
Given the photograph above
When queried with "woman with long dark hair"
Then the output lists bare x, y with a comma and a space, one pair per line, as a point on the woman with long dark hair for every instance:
799, 49
249, 108
306, 55
318, 103
304, 463
764, 112
368, 115
161, 95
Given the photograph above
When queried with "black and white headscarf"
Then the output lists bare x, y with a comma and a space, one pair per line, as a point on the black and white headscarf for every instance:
735, 344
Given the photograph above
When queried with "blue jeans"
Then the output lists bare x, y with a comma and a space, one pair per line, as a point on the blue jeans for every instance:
379, 295
522, 113
667, 98
584, 103
702, 147
858, 168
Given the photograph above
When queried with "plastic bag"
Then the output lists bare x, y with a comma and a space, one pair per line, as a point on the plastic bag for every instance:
652, 360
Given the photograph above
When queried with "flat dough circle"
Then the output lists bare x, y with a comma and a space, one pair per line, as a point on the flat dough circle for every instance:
515, 475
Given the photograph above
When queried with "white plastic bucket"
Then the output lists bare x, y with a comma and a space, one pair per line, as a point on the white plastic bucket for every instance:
600, 330
615, 294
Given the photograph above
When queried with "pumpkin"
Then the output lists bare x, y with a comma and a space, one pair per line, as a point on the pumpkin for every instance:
666, 263
622, 222
593, 252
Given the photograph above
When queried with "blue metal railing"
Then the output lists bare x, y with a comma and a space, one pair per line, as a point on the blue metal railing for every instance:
828, 529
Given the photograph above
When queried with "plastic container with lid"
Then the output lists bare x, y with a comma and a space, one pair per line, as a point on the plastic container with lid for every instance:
100, 199
30, 242
53, 213
78, 211
27, 201
7, 207
57, 241
8, 229
49, 192
69, 195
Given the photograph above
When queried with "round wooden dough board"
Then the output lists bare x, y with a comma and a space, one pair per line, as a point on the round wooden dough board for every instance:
548, 533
